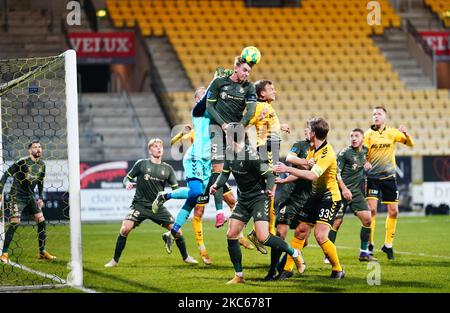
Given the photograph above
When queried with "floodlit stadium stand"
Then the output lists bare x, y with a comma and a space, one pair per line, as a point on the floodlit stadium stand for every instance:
320, 56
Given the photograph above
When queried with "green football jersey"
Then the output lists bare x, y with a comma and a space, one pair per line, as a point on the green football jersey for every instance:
351, 166
300, 190
253, 176
227, 100
151, 178
27, 175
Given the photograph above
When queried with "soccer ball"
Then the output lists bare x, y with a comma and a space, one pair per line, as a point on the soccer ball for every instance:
251, 55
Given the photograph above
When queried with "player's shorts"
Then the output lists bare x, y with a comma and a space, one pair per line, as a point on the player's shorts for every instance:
320, 210
289, 214
197, 169
357, 204
270, 151
16, 206
139, 213
257, 207
204, 198
386, 187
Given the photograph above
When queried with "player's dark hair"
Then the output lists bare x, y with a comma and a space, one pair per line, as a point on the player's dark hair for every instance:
380, 108
33, 142
359, 130
238, 61
320, 127
260, 85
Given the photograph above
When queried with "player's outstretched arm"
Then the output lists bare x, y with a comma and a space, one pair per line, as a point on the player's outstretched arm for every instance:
295, 160
303, 174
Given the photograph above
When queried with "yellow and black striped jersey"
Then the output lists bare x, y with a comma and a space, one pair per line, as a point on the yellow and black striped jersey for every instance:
326, 169
381, 155
268, 126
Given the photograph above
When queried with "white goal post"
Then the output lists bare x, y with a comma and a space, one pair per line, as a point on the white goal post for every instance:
43, 68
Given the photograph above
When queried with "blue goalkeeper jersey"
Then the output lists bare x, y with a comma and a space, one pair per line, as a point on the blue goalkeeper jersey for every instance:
201, 147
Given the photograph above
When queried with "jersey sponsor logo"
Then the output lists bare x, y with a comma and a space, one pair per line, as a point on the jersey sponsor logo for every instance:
380, 146
373, 191
250, 98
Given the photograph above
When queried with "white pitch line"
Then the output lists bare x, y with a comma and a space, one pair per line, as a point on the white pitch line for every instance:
52, 277
399, 252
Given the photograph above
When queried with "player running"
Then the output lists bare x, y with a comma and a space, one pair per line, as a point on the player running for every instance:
151, 177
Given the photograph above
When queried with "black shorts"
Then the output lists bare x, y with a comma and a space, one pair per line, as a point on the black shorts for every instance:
258, 208
18, 205
204, 198
322, 210
139, 213
357, 204
387, 188
270, 151
290, 214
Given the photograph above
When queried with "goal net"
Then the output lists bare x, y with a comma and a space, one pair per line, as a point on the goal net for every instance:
38, 101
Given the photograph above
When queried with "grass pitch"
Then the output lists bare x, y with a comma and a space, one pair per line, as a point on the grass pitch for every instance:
422, 264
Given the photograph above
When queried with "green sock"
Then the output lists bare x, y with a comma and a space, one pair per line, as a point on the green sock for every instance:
120, 245
279, 244
9, 236
181, 244
365, 236
42, 235
234, 250
332, 235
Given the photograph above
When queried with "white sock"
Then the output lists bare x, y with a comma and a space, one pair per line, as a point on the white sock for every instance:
388, 245
365, 251
201, 248
296, 253
219, 212
240, 274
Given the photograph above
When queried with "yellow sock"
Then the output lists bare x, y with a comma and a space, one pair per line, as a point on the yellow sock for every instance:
198, 230
329, 249
272, 216
296, 244
391, 224
372, 227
